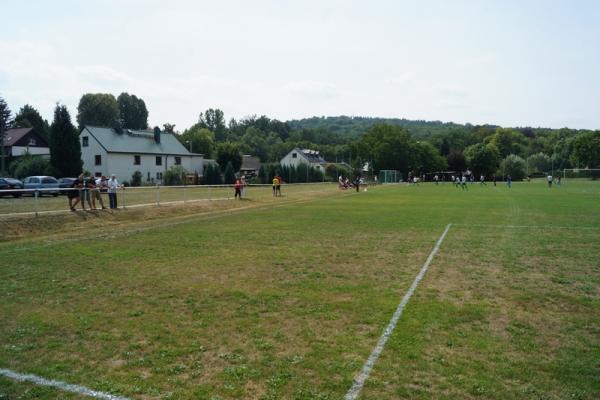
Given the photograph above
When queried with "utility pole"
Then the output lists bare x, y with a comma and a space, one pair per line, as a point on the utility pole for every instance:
2, 133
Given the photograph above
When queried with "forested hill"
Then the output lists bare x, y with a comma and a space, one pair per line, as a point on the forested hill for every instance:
355, 126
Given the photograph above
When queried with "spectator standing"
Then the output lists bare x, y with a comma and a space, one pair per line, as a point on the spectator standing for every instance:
73, 195
84, 192
244, 184
113, 185
99, 184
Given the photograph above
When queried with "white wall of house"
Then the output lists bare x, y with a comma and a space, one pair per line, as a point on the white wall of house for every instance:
294, 158
123, 165
298, 159
17, 151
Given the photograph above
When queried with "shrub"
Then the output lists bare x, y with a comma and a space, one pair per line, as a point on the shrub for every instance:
174, 176
136, 179
30, 165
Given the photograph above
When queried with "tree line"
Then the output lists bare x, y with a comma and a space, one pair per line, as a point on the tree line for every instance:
419, 147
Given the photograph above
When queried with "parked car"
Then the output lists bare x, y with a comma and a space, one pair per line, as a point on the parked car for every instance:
10, 184
41, 182
65, 183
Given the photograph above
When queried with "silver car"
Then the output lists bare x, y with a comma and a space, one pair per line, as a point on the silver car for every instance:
45, 184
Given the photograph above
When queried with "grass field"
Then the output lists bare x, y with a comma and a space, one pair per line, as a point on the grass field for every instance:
287, 299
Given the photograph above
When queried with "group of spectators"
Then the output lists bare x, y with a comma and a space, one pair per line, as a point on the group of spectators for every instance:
88, 189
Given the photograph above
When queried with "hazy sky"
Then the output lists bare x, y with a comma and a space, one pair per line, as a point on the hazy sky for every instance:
512, 63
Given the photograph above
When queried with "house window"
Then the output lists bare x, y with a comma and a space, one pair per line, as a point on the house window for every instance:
98, 174
137, 160
158, 160
159, 175
177, 160
294, 155
98, 159
148, 176
84, 141
32, 142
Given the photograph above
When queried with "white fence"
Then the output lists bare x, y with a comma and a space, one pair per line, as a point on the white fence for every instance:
55, 200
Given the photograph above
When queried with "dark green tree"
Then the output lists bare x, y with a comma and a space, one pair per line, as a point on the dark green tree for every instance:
456, 161
168, 128
29, 117
132, 111
5, 124
65, 149
387, 146
214, 121
198, 140
229, 174
482, 159
586, 150
98, 109
229, 152
425, 158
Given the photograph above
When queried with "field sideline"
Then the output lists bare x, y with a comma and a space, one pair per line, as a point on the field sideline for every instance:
289, 301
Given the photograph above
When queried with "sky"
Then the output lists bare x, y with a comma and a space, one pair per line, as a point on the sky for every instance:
510, 63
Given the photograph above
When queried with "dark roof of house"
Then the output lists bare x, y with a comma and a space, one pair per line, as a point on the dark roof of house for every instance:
250, 163
12, 136
141, 142
313, 156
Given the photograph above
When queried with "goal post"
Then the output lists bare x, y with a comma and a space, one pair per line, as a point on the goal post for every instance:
581, 173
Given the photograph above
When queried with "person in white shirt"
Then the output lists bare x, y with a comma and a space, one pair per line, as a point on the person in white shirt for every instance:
550, 179
113, 185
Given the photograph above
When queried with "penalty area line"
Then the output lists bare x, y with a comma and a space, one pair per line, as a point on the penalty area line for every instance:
66, 387
359, 381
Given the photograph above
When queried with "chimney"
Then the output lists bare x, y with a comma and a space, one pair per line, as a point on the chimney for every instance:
157, 134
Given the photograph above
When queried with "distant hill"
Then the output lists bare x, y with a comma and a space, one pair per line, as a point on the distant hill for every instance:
355, 126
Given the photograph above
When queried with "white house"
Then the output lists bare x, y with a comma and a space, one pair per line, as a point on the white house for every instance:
304, 156
105, 151
21, 141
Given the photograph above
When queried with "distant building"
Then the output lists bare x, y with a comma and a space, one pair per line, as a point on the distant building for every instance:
20, 141
250, 165
304, 156
105, 151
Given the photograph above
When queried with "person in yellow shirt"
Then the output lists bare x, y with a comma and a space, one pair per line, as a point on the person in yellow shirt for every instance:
275, 186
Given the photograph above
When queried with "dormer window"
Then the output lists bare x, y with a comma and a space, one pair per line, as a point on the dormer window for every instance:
32, 142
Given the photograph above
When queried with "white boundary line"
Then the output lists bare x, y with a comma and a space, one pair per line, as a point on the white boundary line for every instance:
359, 381
528, 226
67, 387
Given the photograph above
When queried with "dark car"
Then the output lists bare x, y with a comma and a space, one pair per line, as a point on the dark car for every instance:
65, 183
10, 184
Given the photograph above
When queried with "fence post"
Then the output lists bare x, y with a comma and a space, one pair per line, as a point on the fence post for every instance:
123, 190
35, 202
210, 192
184, 196
158, 195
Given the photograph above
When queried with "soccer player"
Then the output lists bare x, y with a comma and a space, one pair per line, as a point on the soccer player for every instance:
464, 182
550, 179
482, 180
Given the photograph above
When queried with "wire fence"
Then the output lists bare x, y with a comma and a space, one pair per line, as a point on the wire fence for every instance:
55, 200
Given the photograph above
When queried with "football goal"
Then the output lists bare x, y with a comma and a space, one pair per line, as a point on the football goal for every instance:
390, 176
581, 173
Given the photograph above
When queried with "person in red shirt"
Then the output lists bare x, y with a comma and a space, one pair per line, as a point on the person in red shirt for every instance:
238, 188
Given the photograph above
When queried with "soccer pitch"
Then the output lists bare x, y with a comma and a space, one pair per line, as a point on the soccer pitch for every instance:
289, 302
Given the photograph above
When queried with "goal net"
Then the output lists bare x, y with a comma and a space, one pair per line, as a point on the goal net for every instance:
581, 173
390, 176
